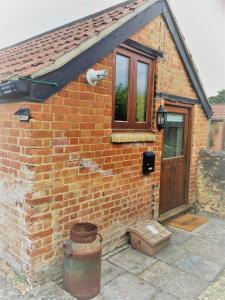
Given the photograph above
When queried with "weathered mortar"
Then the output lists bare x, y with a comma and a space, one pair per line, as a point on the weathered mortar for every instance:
13, 193
211, 182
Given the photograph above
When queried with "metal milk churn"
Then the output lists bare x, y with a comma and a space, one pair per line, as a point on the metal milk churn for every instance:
82, 261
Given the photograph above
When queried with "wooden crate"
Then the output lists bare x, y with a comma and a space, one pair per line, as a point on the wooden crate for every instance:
149, 237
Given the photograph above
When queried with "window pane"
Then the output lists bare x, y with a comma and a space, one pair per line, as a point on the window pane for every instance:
173, 135
121, 93
142, 90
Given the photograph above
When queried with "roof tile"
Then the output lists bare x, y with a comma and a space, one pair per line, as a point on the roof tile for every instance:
30, 56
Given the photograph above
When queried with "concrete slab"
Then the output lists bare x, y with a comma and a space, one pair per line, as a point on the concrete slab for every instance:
128, 287
163, 296
214, 233
109, 272
170, 253
199, 266
213, 219
174, 281
49, 291
217, 221
179, 236
8, 292
132, 261
216, 290
201, 247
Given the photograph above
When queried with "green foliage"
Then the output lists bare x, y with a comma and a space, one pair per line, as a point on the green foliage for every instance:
219, 98
121, 103
141, 108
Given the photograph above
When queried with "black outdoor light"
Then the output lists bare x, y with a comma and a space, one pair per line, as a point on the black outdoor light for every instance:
161, 117
23, 114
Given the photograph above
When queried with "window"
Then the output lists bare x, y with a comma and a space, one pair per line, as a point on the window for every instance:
174, 135
133, 90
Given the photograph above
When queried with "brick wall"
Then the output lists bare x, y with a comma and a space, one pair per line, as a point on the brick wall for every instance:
171, 74
16, 179
211, 179
217, 136
200, 133
76, 173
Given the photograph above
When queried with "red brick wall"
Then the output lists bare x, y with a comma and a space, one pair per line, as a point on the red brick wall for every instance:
171, 74
16, 179
80, 174
76, 173
200, 133
217, 136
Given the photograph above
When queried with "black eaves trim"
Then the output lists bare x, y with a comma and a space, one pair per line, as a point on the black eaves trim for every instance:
88, 58
218, 120
176, 98
144, 49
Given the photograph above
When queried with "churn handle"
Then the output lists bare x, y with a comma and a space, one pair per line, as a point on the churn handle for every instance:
100, 237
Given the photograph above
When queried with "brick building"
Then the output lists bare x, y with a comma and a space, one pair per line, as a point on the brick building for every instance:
80, 155
217, 130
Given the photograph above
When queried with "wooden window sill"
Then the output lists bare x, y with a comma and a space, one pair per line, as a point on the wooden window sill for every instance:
132, 137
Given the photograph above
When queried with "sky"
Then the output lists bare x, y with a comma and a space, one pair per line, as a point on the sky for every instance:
201, 21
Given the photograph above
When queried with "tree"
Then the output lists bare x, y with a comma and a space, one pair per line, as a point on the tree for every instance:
219, 98
121, 102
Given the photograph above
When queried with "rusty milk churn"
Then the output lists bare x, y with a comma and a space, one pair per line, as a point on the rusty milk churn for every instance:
82, 261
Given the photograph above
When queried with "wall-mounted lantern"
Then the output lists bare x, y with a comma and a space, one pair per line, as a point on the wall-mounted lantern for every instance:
23, 114
161, 117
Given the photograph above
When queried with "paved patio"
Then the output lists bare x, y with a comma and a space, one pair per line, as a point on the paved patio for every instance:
192, 265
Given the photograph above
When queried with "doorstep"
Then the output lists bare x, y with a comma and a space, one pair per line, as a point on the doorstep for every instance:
174, 212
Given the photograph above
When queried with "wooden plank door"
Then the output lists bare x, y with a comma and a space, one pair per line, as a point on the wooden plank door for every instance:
174, 169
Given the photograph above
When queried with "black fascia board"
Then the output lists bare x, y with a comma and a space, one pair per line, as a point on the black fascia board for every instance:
144, 49
182, 49
176, 98
218, 120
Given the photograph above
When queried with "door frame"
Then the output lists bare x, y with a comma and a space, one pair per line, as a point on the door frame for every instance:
189, 148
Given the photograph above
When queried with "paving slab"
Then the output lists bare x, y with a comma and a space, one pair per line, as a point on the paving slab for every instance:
128, 287
163, 296
199, 266
170, 254
7, 291
179, 236
214, 233
109, 272
133, 261
210, 250
216, 290
213, 219
174, 281
48, 291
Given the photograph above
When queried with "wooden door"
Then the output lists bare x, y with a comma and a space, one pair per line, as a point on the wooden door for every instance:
175, 167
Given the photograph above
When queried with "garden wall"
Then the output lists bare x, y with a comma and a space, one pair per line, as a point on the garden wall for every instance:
211, 182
